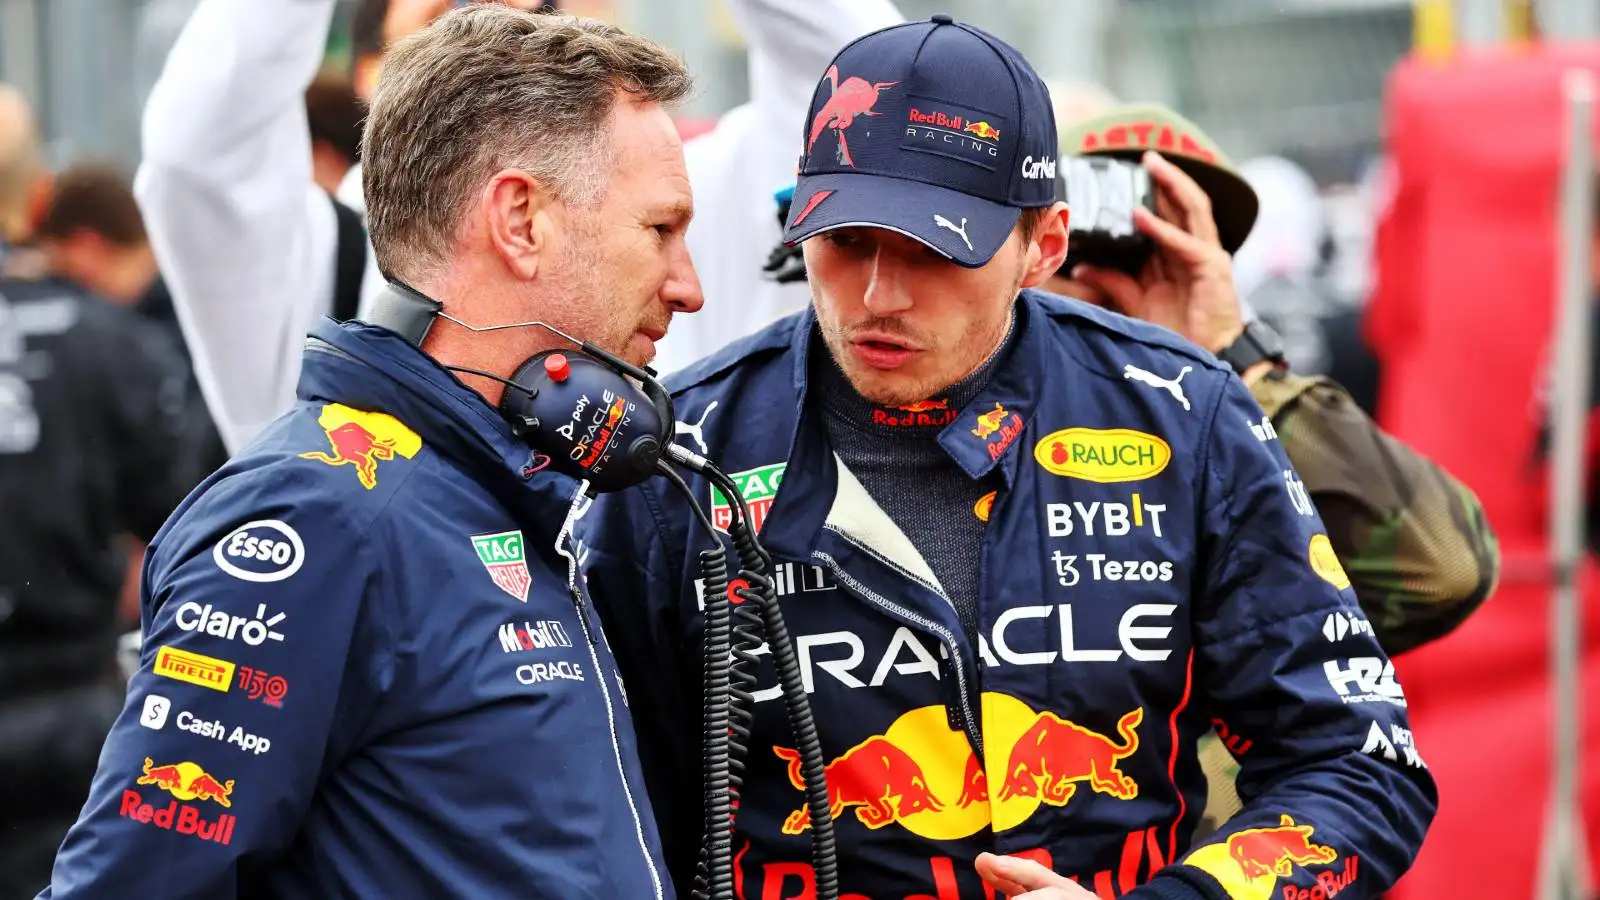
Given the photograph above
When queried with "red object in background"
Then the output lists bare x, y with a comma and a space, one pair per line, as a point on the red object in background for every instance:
1461, 319
694, 126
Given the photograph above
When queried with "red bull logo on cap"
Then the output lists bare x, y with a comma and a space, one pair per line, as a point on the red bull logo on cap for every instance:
923, 775
853, 97
983, 130
363, 439
1250, 862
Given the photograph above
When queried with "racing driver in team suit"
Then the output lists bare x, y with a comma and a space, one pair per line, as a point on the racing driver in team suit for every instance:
1029, 551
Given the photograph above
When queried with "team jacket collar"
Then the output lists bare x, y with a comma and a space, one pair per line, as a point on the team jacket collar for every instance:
368, 367
983, 437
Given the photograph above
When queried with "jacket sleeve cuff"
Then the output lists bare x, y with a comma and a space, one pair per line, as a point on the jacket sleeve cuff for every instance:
1172, 884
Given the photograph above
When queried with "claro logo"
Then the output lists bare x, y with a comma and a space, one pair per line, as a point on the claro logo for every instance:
1104, 455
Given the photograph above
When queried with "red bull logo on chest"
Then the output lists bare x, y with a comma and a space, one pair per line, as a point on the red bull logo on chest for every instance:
922, 775
363, 439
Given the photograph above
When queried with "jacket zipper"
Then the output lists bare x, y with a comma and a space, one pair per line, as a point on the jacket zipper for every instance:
580, 505
969, 721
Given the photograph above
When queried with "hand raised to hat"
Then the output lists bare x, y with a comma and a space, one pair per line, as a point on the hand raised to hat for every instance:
1024, 879
1187, 286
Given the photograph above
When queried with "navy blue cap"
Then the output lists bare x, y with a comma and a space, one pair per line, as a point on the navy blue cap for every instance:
934, 129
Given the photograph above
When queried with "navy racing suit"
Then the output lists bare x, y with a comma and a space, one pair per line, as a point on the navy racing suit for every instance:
1150, 568
369, 670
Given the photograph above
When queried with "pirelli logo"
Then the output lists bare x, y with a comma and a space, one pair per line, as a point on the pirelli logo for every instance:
195, 668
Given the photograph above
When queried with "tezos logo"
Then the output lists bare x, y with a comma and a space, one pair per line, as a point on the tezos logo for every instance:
261, 551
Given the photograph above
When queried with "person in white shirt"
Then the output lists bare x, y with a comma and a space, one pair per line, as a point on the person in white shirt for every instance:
248, 242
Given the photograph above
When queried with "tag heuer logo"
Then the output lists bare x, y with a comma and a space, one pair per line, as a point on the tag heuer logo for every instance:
758, 487
502, 555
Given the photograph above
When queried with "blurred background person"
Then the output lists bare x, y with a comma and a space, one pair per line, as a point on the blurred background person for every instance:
92, 420
92, 235
333, 118
1277, 270
24, 180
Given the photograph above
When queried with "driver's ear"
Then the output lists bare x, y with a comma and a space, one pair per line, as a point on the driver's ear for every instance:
1048, 247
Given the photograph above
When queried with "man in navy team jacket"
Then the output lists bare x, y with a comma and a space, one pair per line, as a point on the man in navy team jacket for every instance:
368, 667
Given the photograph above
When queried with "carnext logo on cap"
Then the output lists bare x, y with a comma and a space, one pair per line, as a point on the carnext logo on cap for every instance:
1043, 167
970, 135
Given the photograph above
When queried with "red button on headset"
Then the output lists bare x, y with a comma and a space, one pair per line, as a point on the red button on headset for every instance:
557, 367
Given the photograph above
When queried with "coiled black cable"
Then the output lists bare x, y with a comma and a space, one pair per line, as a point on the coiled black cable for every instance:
754, 565
716, 752
747, 638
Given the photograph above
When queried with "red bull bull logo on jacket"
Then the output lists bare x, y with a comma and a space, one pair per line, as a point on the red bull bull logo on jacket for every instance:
363, 439
922, 775
1249, 863
185, 781
997, 428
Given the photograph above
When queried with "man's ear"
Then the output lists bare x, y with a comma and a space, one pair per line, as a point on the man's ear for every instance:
520, 214
1048, 249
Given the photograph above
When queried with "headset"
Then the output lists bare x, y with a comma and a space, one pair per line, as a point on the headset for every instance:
611, 425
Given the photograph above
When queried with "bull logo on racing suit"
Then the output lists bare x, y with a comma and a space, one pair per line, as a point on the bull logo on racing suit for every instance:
923, 775
1249, 863
855, 97
363, 439
1054, 755
186, 781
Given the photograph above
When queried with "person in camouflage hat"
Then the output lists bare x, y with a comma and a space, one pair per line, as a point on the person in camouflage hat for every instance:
1414, 541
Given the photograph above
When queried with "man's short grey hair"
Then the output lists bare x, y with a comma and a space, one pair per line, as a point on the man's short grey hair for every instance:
487, 88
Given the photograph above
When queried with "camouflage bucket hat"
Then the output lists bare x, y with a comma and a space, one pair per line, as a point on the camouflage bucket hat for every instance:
1128, 131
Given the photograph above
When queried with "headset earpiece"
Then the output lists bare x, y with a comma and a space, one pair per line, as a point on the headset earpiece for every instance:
593, 423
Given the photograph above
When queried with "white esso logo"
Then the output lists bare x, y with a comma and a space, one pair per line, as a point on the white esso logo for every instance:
263, 550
